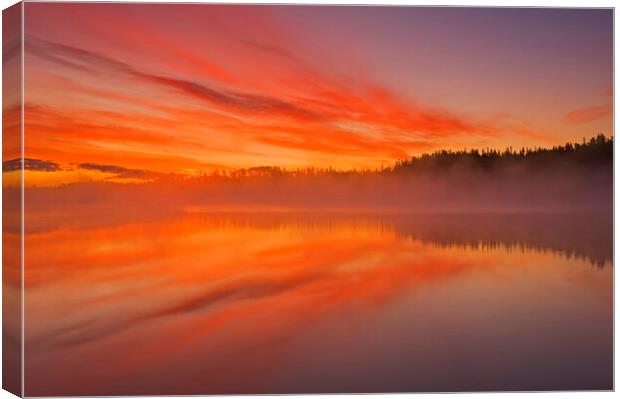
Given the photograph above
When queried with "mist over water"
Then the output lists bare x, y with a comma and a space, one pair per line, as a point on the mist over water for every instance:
548, 185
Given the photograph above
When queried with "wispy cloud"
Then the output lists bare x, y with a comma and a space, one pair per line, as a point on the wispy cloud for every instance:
30, 164
117, 171
253, 103
588, 114
373, 104
273, 50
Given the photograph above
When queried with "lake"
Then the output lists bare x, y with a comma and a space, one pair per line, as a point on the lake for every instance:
308, 302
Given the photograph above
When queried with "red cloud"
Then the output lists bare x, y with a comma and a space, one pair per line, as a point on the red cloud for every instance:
588, 114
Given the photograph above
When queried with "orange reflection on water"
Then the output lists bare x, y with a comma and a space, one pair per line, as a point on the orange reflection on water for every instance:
205, 303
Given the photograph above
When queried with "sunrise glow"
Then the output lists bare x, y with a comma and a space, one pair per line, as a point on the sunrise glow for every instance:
191, 88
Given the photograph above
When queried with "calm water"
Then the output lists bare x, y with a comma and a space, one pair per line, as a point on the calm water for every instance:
301, 302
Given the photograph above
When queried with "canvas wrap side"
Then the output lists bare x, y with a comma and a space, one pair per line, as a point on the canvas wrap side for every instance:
12, 157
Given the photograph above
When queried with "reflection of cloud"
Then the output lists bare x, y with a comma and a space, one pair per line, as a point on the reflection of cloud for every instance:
236, 292
285, 269
230, 294
588, 114
30, 164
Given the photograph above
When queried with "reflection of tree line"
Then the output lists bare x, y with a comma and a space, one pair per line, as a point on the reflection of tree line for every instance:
585, 235
580, 235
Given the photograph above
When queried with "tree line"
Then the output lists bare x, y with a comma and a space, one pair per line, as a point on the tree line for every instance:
596, 151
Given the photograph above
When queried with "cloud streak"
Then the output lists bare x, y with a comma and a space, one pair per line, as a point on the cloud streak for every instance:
373, 105
273, 50
118, 171
84, 60
30, 164
588, 114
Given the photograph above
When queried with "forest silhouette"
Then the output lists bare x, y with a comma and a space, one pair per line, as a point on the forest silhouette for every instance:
574, 176
597, 151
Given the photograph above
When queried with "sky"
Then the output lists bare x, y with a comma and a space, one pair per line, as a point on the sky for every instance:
126, 91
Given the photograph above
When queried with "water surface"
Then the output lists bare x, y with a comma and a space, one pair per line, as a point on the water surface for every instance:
294, 302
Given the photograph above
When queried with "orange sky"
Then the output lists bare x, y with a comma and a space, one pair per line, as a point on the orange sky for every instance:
188, 88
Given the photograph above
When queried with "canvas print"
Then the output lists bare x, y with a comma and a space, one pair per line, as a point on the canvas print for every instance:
270, 199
